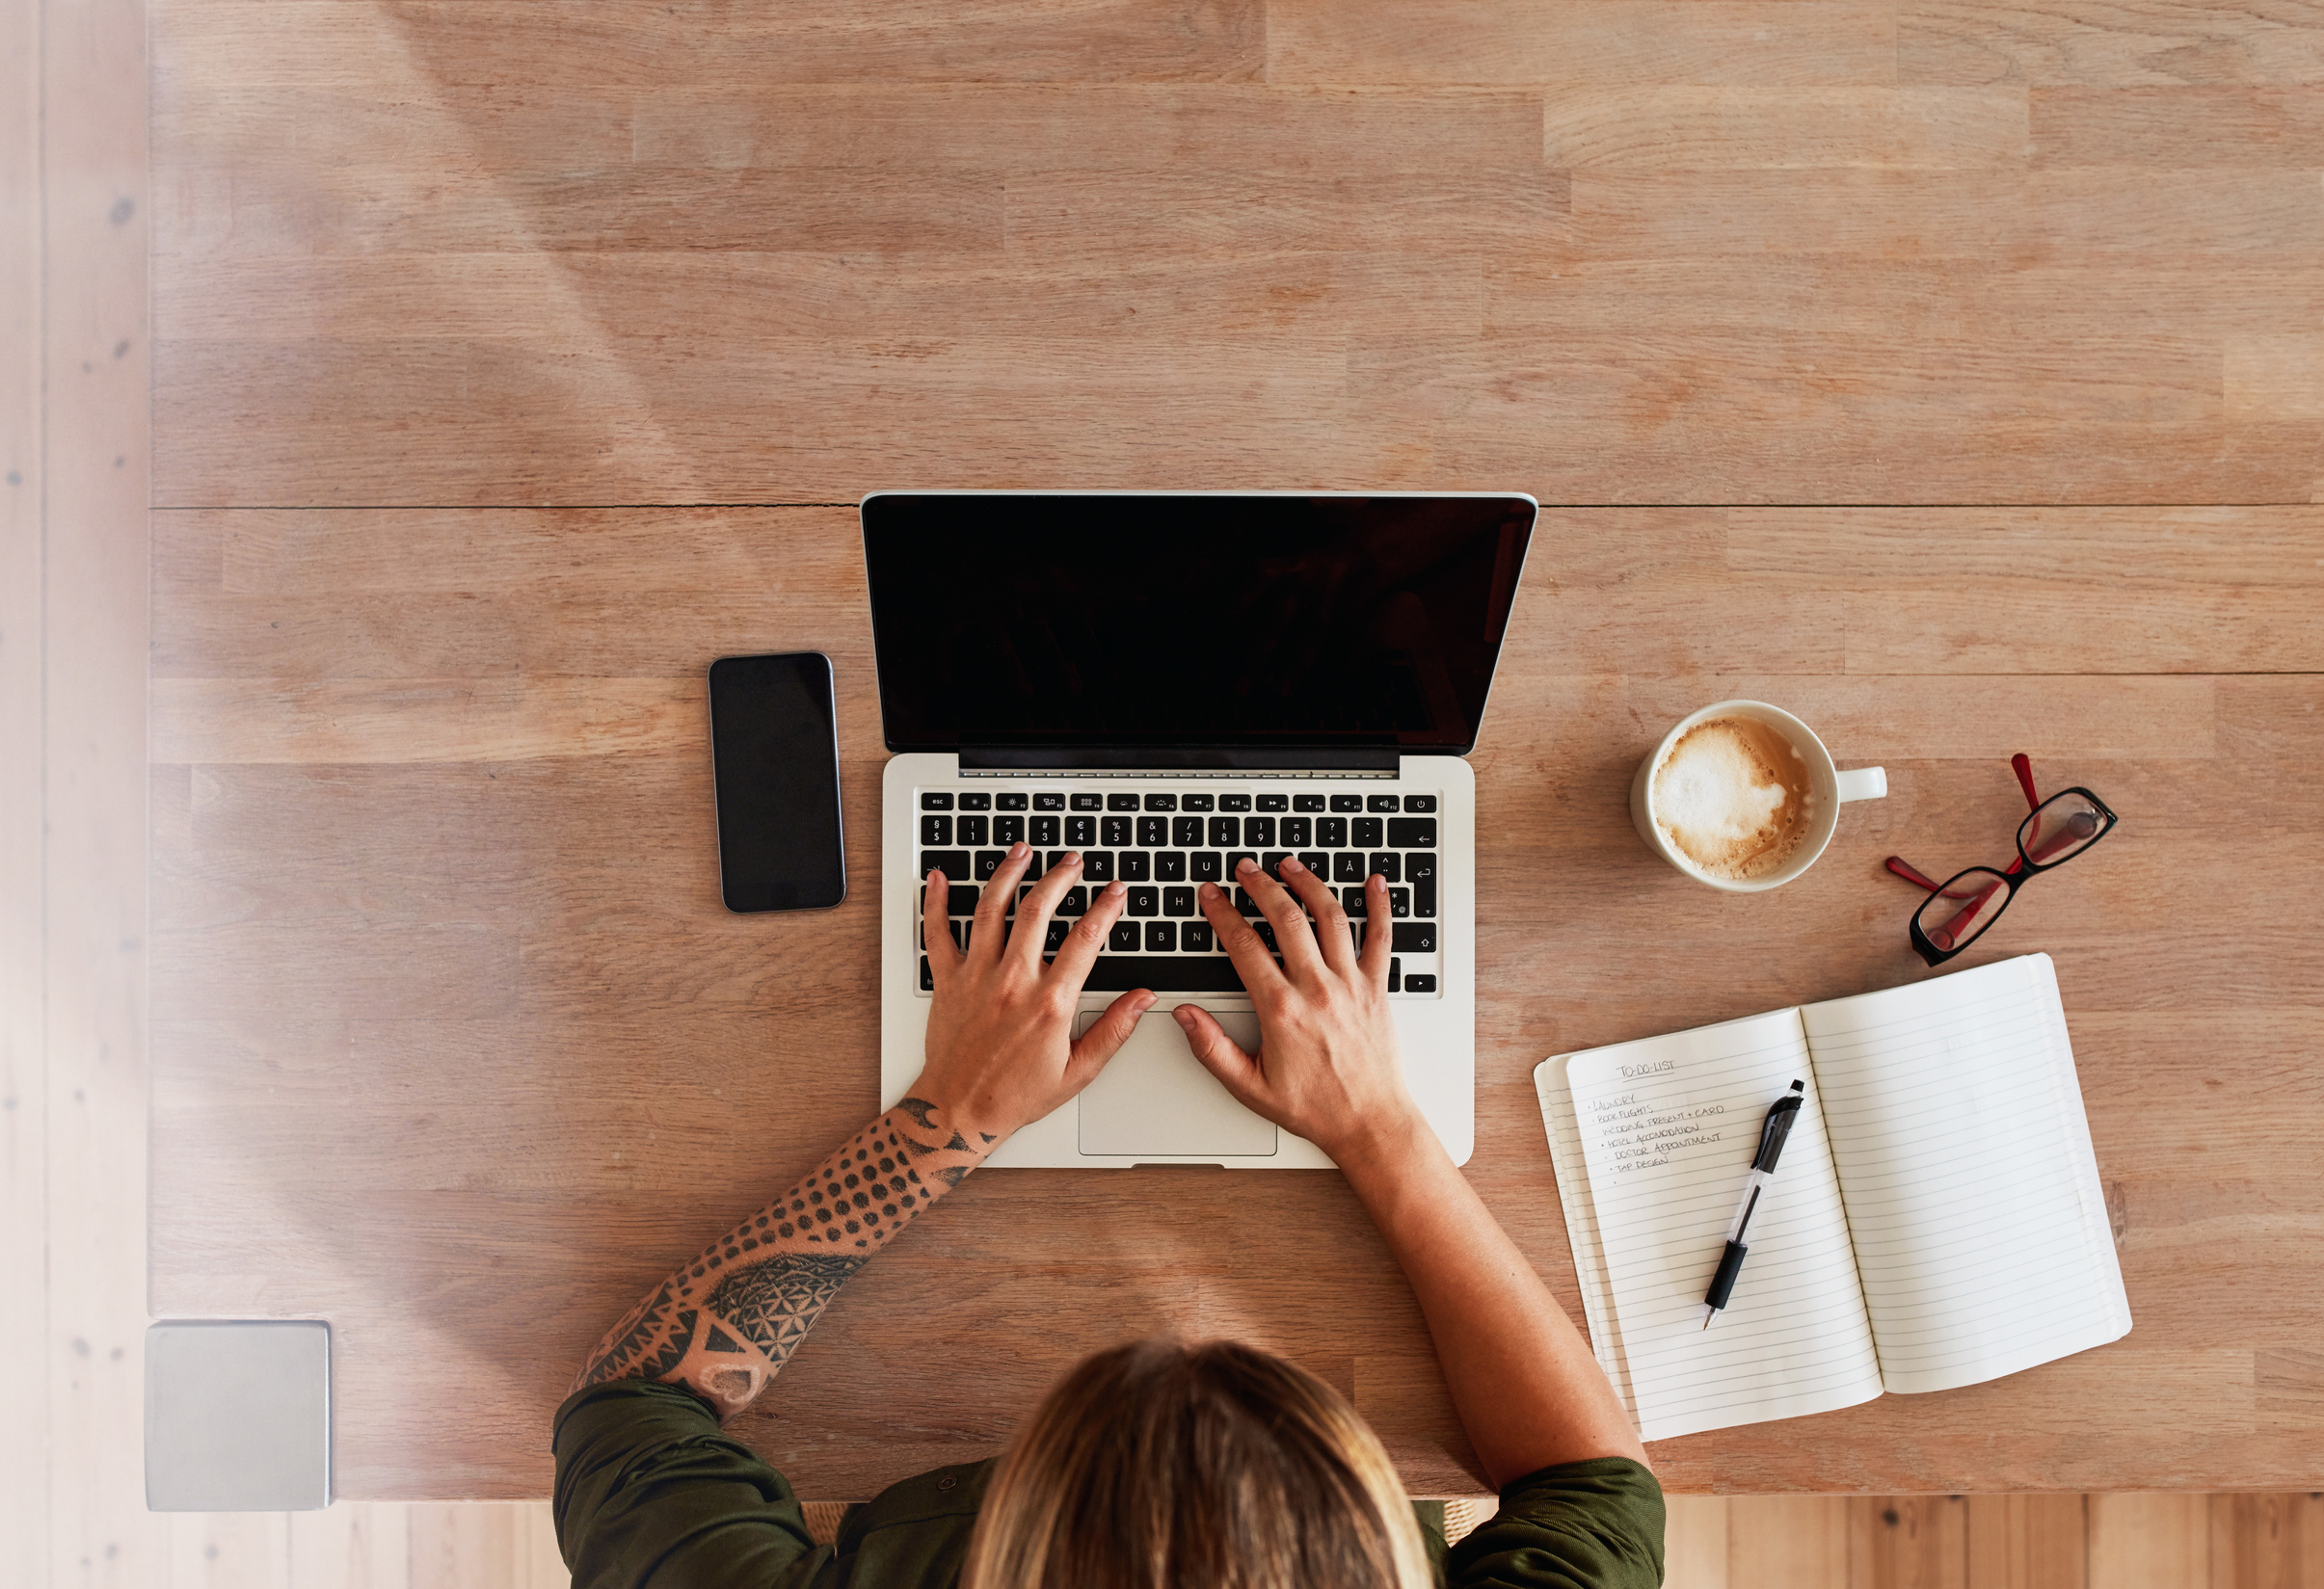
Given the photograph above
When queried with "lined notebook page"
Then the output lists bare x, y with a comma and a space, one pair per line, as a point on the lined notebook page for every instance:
1582, 1223
1668, 1127
1956, 1126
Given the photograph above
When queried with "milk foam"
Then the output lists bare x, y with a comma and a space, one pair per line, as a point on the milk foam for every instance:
1732, 797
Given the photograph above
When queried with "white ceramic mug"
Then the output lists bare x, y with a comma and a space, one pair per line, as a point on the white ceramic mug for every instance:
1829, 789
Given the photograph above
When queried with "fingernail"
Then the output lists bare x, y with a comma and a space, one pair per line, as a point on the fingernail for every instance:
1017, 851
1116, 888
1206, 890
1146, 1003
1376, 881
1245, 864
1290, 863
1073, 858
1184, 1015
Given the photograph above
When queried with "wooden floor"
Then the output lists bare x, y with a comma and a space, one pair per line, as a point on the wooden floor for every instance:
1989, 176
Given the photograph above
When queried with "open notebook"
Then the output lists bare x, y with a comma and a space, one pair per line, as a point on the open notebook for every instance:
1936, 1219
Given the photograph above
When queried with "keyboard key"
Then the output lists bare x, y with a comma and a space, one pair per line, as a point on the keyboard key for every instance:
1412, 833
1088, 803
1234, 803
1235, 861
1347, 803
1298, 832
1170, 866
1194, 937
1396, 975
1347, 866
1420, 866
1271, 863
1400, 903
1307, 803
1173, 974
1381, 803
1123, 939
1032, 866
1162, 937
1008, 830
1315, 862
970, 831
1331, 832
1074, 901
1421, 984
1049, 802
1055, 856
1274, 803
1096, 865
936, 830
927, 980
1266, 934
1133, 863
1388, 863
1244, 902
1226, 832
1414, 938
1351, 900
935, 799
1113, 830
960, 898
1258, 831
1178, 902
988, 861
1420, 803
1043, 831
1424, 898
1081, 831
1195, 802
1364, 833
1143, 901
1053, 938
975, 802
1185, 832
1207, 866
953, 863
1153, 831
1162, 803
1008, 803
1121, 803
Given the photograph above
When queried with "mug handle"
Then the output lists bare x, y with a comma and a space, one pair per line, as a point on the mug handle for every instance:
1862, 782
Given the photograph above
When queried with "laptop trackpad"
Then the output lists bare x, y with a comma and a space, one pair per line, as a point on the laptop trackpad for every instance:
1153, 1096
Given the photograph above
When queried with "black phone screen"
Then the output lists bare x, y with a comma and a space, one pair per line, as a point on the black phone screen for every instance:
775, 760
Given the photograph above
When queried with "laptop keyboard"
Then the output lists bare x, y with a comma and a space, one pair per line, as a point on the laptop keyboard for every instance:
1162, 840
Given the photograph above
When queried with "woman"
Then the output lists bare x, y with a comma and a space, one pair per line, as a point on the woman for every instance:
1153, 1465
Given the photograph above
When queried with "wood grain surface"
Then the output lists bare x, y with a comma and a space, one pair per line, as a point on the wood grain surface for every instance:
503, 352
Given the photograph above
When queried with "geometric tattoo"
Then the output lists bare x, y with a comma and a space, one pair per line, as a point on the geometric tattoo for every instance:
724, 1325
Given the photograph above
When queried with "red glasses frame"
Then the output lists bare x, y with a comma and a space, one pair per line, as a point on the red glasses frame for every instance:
2013, 878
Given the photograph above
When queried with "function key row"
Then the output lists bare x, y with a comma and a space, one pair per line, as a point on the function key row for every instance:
945, 800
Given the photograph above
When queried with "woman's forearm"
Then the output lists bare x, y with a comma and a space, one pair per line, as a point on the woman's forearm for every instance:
1522, 1378
724, 1325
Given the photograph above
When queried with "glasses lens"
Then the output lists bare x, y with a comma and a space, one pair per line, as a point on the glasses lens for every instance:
2059, 828
1963, 908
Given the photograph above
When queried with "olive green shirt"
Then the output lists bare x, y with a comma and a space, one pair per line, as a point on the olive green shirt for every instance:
652, 1496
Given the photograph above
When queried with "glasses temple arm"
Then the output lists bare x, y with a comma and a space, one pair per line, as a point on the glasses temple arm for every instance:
1897, 864
2023, 767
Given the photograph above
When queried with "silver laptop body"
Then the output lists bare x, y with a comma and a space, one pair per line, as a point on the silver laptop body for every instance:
1084, 741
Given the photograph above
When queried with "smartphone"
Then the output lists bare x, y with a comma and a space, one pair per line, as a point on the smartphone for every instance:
775, 764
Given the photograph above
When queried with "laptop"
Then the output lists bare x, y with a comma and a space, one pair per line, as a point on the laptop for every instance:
1167, 682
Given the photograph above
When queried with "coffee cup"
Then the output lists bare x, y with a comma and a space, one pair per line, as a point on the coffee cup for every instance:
1743, 796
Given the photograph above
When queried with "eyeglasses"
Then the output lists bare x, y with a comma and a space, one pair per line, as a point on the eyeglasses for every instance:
2053, 832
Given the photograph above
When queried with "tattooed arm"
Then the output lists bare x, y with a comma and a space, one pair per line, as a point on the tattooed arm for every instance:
1000, 1053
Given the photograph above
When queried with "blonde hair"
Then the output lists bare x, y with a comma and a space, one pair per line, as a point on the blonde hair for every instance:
1158, 1464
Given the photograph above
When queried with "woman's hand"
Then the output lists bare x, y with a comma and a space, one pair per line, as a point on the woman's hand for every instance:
1327, 1066
1000, 1049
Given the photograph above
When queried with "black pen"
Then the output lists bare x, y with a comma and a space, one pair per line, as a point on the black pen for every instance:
1772, 1134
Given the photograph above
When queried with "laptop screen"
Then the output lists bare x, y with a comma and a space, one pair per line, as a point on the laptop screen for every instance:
1234, 622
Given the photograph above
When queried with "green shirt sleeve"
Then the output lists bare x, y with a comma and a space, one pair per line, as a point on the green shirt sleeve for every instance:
1596, 1525
650, 1495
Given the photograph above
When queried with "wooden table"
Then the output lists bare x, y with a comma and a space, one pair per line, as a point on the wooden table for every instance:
510, 357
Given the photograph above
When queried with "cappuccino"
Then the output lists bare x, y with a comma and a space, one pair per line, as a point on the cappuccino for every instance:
1734, 796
